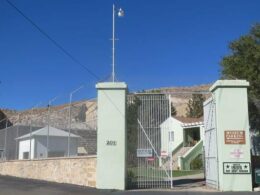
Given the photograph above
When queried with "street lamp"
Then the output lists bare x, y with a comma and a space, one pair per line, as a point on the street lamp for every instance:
71, 94
120, 13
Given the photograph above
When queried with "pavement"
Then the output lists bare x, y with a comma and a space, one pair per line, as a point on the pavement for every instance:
17, 186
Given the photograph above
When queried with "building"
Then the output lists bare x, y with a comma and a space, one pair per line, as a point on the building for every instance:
37, 141
182, 138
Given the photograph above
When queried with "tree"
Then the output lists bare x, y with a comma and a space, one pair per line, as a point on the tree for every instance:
132, 126
244, 63
173, 110
195, 106
4, 121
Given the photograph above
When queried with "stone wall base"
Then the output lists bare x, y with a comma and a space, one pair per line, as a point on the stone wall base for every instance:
78, 171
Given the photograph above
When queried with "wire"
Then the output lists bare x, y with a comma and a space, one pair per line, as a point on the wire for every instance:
44, 33
62, 49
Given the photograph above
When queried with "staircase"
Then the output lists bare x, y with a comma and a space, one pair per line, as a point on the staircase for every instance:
175, 156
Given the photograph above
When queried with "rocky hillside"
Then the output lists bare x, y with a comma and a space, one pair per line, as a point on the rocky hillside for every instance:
83, 113
181, 95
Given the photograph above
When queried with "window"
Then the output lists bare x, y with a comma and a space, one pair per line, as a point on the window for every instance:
171, 136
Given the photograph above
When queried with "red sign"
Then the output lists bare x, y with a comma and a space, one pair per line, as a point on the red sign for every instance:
164, 153
150, 159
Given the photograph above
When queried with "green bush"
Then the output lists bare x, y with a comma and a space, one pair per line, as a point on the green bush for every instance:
130, 174
196, 163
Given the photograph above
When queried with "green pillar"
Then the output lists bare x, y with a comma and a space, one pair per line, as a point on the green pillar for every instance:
111, 135
233, 142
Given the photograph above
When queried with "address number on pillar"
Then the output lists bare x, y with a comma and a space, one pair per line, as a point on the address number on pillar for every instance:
111, 143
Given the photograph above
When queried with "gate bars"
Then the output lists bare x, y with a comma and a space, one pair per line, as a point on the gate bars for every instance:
211, 156
154, 171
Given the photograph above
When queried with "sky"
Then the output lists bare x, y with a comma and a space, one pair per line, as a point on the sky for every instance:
161, 43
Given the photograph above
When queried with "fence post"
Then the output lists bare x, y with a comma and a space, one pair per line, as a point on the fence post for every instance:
30, 150
68, 153
16, 141
169, 140
6, 124
48, 132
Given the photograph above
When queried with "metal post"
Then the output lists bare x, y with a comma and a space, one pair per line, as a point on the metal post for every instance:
31, 130
113, 45
6, 124
69, 125
30, 153
170, 114
48, 129
71, 94
17, 134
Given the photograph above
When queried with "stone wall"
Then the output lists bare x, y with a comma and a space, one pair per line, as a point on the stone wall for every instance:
79, 171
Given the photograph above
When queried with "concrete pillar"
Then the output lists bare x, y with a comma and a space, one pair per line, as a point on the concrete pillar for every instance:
111, 135
234, 162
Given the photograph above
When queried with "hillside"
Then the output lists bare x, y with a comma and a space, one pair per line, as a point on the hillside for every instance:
181, 95
83, 113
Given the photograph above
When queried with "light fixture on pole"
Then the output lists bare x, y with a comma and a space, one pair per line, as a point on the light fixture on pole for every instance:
120, 13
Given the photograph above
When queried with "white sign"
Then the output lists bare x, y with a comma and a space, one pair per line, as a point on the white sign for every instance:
144, 152
236, 168
237, 153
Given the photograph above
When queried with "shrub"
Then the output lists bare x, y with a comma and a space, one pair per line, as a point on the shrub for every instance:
196, 163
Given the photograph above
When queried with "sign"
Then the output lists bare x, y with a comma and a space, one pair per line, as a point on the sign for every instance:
144, 152
237, 153
235, 137
150, 159
236, 168
164, 153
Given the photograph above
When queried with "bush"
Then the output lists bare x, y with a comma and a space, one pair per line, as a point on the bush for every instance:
196, 163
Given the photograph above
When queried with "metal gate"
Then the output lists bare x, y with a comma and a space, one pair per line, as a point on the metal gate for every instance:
149, 163
211, 153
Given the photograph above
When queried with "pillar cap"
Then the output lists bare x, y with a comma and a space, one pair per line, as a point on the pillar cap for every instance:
111, 85
229, 84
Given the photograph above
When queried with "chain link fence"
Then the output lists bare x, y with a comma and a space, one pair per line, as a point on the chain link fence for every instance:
55, 131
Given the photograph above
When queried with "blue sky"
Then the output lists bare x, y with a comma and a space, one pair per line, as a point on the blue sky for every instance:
161, 43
